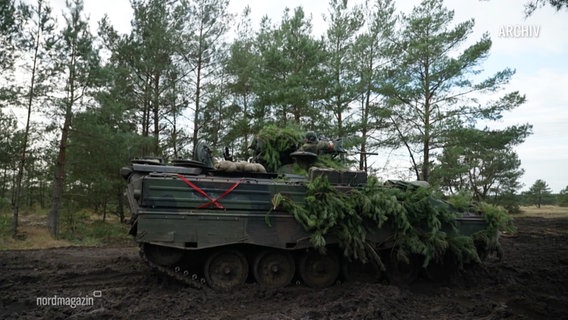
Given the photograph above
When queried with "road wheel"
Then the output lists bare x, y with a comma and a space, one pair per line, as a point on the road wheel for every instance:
319, 270
226, 269
274, 268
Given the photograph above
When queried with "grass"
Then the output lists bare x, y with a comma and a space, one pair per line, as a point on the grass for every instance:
543, 212
96, 233
31, 237
84, 230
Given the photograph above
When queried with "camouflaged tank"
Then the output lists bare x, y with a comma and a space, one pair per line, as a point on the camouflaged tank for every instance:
204, 225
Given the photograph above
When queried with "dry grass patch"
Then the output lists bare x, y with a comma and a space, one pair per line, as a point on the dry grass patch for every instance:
32, 237
544, 212
85, 230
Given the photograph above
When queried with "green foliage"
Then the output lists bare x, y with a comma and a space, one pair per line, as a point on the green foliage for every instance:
464, 249
204, 52
240, 66
101, 131
498, 220
78, 228
288, 81
562, 198
5, 226
272, 141
369, 54
461, 201
9, 141
8, 31
508, 200
78, 65
174, 61
482, 162
340, 64
425, 108
37, 46
327, 161
327, 211
4, 205
422, 224
532, 5
539, 193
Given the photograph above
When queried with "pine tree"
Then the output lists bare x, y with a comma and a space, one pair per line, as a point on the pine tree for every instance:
37, 43
241, 66
370, 52
8, 153
149, 51
339, 67
205, 50
532, 5
77, 63
539, 193
482, 162
8, 31
562, 198
431, 87
289, 83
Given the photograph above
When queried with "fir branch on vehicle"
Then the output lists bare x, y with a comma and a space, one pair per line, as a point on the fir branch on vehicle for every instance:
422, 224
273, 140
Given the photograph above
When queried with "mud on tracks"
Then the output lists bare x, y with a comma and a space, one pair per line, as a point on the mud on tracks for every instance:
531, 282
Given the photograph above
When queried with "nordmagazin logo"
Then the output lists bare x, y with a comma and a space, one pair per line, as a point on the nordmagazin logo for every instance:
519, 31
71, 302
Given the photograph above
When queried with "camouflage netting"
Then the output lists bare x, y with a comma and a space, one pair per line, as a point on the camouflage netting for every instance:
422, 224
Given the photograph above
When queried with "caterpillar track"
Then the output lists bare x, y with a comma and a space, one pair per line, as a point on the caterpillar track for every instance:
175, 272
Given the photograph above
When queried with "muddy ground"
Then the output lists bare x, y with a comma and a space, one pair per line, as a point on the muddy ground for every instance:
531, 282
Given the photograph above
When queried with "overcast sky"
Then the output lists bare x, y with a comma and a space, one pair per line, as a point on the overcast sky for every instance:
539, 53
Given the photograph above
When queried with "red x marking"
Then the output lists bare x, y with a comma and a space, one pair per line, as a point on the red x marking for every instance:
203, 193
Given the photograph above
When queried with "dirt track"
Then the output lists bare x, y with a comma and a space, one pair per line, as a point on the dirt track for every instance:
530, 283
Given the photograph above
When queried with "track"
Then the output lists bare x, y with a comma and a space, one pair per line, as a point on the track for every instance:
530, 283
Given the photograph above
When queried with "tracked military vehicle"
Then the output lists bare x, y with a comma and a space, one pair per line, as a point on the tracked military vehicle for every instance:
207, 225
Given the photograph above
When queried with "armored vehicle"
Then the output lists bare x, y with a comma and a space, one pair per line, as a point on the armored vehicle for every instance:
201, 224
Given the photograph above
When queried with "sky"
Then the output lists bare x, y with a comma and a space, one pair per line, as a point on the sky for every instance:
536, 47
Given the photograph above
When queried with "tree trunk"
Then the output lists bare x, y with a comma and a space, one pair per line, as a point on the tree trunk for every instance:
104, 211
174, 124
427, 124
59, 180
156, 114
246, 131
22, 162
120, 198
42, 194
4, 182
197, 98
146, 113
364, 130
